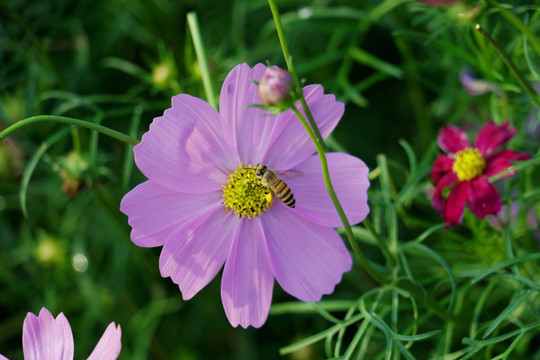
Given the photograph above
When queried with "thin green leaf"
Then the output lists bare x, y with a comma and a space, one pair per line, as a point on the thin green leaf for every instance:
128, 155
411, 156
506, 312
297, 307
318, 337
365, 58
127, 67
443, 263
506, 263
31, 166
500, 338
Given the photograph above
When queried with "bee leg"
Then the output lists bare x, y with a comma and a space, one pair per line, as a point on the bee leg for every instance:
268, 198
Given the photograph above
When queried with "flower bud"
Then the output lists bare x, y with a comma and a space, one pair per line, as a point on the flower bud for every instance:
275, 87
73, 169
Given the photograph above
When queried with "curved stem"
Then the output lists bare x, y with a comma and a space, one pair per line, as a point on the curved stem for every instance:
526, 86
290, 67
326, 174
71, 121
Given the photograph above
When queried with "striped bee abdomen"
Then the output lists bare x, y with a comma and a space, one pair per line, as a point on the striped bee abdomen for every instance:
284, 193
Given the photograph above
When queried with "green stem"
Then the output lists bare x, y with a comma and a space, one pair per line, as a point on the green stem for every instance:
201, 57
71, 121
290, 67
518, 24
324, 164
390, 210
526, 86
76, 138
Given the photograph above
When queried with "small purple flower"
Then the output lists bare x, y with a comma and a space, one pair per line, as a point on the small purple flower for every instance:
477, 87
206, 206
275, 87
47, 338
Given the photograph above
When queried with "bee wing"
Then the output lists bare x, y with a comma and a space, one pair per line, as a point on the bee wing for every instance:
289, 174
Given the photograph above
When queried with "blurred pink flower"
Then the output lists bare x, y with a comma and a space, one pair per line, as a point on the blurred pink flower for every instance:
477, 86
47, 338
204, 204
466, 169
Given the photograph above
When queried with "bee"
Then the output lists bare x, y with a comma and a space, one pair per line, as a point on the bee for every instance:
278, 188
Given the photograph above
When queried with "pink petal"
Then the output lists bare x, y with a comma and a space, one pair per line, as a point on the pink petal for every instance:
350, 182
451, 139
193, 255
109, 345
308, 260
247, 284
483, 197
291, 144
491, 136
502, 160
252, 126
45, 337
455, 204
2, 357
443, 164
187, 149
278, 141
444, 182
154, 212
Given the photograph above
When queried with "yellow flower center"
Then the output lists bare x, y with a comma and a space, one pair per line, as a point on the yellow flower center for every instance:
469, 164
245, 194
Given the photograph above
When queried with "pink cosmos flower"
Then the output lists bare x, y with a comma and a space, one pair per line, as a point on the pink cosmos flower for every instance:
45, 337
466, 169
206, 206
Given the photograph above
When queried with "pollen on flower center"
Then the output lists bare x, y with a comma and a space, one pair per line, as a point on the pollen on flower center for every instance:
245, 194
469, 164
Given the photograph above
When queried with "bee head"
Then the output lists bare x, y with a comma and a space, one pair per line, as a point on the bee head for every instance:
261, 169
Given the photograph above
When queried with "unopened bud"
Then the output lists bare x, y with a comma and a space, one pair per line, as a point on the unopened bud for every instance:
275, 87
73, 170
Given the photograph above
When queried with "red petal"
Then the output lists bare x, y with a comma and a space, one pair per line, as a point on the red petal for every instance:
451, 139
442, 165
483, 197
501, 161
447, 180
455, 204
492, 136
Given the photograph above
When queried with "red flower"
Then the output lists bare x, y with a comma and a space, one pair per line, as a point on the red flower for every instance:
467, 170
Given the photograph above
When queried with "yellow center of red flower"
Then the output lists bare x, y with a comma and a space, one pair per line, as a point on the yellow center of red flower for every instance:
245, 194
469, 164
